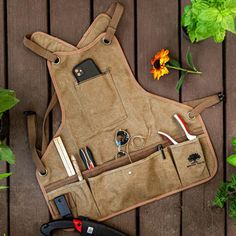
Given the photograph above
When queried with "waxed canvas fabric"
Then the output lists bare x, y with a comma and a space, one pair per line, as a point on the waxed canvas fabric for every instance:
93, 111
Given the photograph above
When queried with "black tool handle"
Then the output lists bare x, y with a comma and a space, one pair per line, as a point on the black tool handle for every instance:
87, 227
48, 228
91, 228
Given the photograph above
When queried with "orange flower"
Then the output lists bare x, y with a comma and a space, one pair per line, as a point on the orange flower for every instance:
159, 64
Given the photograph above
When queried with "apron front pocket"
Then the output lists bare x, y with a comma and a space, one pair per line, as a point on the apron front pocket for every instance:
135, 183
190, 161
101, 102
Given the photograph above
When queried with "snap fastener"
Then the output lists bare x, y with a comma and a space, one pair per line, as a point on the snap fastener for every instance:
130, 172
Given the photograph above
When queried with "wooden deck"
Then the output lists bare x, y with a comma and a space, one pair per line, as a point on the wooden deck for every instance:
146, 27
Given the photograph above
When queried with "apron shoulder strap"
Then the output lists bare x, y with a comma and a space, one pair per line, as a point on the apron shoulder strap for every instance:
115, 11
34, 47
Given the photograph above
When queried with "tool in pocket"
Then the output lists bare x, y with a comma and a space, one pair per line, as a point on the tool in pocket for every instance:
87, 158
184, 126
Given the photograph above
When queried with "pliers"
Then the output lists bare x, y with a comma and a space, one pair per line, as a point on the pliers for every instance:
183, 126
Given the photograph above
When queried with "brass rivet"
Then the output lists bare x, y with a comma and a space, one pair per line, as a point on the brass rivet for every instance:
130, 172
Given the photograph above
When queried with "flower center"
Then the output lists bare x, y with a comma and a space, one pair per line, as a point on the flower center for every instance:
157, 64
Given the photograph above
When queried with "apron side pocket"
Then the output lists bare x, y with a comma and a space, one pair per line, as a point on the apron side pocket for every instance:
190, 162
79, 199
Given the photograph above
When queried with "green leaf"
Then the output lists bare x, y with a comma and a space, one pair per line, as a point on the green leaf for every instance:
181, 81
3, 187
174, 63
4, 175
7, 102
7, 91
234, 143
6, 154
189, 60
231, 6
228, 23
232, 160
219, 36
208, 15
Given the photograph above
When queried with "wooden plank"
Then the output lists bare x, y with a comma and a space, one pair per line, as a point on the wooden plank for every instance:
156, 31
3, 166
198, 216
230, 112
125, 34
68, 21
28, 77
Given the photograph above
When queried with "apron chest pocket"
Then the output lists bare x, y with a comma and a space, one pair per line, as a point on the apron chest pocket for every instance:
100, 101
190, 162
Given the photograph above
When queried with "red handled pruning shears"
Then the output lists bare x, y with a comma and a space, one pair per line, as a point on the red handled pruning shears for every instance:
82, 225
183, 126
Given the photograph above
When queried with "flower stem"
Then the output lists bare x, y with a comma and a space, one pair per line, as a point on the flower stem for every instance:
182, 69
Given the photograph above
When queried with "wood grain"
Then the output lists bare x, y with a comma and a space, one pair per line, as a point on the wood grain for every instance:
125, 34
230, 113
157, 28
3, 166
28, 77
68, 21
198, 215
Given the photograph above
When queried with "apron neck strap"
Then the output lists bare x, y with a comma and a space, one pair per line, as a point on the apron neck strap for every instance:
34, 47
117, 10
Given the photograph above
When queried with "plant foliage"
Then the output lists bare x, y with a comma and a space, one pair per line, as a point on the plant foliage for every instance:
232, 158
227, 193
7, 101
209, 18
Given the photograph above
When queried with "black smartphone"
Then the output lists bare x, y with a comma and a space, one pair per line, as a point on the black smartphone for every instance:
85, 70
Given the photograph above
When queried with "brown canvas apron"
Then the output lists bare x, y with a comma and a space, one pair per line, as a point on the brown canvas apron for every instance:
94, 110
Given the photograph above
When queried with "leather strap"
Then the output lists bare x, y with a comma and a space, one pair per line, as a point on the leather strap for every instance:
118, 9
34, 47
201, 104
45, 133
31, 125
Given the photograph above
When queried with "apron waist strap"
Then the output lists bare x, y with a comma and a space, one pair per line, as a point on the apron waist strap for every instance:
31, 125
200, 105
